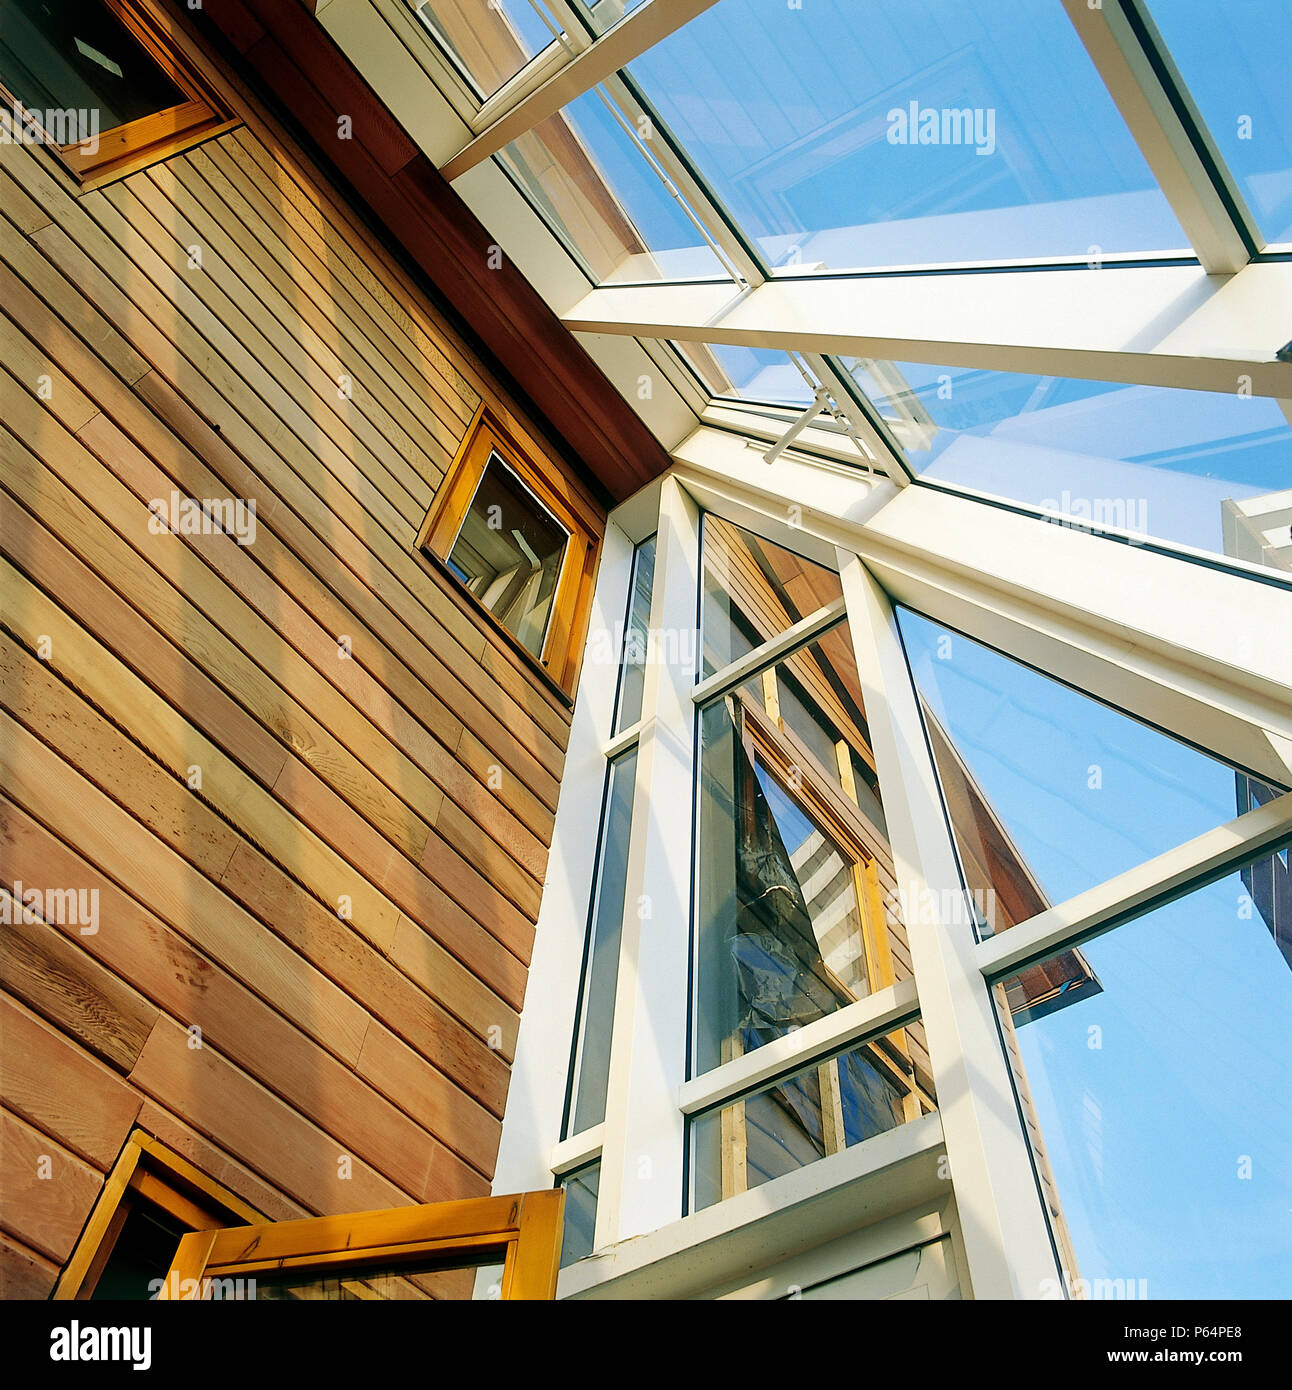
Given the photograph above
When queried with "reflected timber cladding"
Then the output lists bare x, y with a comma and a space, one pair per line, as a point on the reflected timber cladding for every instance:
638, 651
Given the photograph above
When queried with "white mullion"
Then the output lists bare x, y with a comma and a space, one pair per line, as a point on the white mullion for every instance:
536, 1096
1162, 137
644, 1132
1006, 1238
785, 644
633, 35
1174, 874
874, 1015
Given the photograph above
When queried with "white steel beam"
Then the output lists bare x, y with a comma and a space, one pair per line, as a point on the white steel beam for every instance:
1161, 135
1173, 874
616, 48
1156, 325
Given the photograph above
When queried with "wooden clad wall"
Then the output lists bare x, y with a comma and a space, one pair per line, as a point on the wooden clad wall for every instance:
314, 794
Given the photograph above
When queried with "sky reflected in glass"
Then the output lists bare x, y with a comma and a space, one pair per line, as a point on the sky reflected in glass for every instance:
1153, 461
1165, 1102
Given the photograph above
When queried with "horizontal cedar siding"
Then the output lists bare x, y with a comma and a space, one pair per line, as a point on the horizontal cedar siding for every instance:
344, 904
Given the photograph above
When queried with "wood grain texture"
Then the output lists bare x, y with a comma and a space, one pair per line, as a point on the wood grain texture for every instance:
46, 1192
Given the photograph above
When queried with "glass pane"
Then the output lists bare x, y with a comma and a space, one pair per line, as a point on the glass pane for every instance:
601, 966
821, 1110
635, 639
490, 39
752, 374
581, 1190
753, 591
607, 13
1203, 468
439, 1279
796, 907
142, 1252
587, 177
906, 134
1164, 1102
508, 554
1050, 792
75, 54
1234, 61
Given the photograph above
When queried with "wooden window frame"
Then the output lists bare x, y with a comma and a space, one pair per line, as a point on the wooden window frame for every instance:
525, 1228
126, 148
567, 624
146, 1169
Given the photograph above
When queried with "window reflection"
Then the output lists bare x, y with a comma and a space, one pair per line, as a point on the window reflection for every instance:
821, 1110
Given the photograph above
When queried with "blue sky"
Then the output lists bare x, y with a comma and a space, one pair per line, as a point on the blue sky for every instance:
1147, 1119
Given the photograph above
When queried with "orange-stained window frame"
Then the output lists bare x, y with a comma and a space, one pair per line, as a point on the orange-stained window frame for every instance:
524, 1228
567, 624
146, 1170
127, 148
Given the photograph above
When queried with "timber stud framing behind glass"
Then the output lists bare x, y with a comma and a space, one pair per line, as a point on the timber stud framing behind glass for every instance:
751, 1039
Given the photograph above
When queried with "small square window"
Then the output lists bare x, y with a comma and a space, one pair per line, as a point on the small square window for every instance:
508, 554
102, 84
516, 534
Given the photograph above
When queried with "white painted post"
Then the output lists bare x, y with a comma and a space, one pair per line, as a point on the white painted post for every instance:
1006, 1239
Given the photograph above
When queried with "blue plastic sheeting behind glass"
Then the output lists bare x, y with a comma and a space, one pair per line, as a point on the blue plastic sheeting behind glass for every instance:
1165, 1103
1037, 773
1157, 462
1234, 59
895, 133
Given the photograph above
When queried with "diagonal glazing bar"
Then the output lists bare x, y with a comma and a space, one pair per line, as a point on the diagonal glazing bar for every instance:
733, 676
1136, 68
1151, 325
1192, 865
633, 35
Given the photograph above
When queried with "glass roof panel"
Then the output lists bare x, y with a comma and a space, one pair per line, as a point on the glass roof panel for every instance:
752, 374
1235, 62
490, 42
586, 175
1201, 468
919, 132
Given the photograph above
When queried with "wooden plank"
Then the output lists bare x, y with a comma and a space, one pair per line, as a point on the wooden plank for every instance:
60, 1089
299, 306
46, 1193
218, 1165
24, 1274
229, 314
101, 753
214, 373
60, 981
26, 215
423, 1093
179, 746
308, 1164
326, 271
111, 839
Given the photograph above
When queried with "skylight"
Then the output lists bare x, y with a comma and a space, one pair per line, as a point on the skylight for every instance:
906, 135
